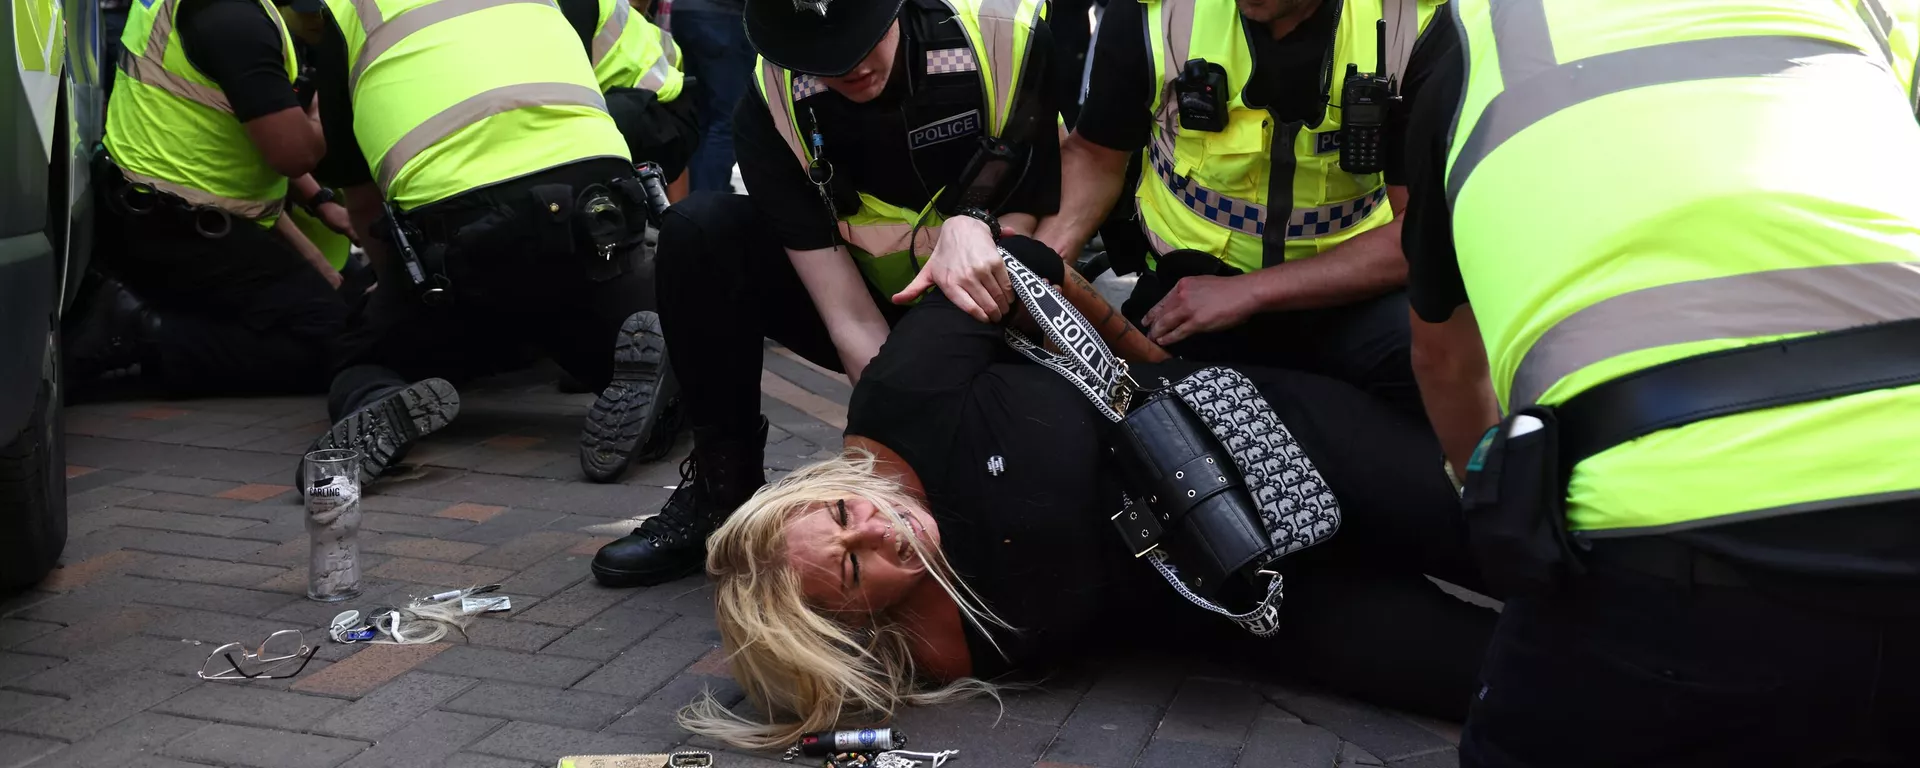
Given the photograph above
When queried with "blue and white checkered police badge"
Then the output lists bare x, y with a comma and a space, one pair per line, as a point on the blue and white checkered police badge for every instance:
944, 130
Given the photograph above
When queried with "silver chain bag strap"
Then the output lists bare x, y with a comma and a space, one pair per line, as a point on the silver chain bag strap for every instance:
1292, 502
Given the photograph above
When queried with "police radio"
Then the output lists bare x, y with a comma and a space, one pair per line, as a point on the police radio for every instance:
1364, 102
1202, 93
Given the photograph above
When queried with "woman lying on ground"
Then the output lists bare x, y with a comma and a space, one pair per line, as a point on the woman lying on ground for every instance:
963, 536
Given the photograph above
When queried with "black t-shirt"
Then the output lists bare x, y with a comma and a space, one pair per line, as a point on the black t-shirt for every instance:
1879, 541
237, 46
1290, 78
867, 144
1009, 453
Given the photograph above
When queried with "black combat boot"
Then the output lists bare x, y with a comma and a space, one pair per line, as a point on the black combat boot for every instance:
628, 420
722, 472
114, 333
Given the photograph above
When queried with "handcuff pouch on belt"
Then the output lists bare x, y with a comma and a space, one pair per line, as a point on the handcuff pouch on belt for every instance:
600, 221
1514, 498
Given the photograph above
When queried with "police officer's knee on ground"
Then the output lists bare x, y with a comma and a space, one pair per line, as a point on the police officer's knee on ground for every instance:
879, 169
210, 293
1266, 190
504, 211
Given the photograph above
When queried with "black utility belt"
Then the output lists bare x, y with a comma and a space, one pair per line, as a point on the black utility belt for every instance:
131, 198
604, 224
1516, 486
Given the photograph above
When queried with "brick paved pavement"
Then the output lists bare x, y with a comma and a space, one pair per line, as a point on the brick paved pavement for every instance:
185, 534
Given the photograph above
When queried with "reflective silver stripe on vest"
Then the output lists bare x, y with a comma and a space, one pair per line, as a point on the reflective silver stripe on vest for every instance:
1536, 86
1772, 303
773, 84
150, 72
149, 68
251, 209
369, 13
656, 75
1879, 23
998, 24
383, 35
610, 34
479, 107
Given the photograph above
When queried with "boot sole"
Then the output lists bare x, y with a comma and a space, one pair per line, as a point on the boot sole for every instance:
385, 428
627, 410
615, 577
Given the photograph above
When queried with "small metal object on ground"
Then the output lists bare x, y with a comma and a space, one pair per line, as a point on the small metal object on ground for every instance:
675, 760
282, 655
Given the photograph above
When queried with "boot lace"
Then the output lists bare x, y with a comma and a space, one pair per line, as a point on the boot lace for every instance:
677, 520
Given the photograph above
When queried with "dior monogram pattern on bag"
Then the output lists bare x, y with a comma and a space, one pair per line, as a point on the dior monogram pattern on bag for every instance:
1296, 506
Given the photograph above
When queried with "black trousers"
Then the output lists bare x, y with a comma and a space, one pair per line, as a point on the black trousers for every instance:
726, 284
1367, 344
241, 314
1624, 668
519, 282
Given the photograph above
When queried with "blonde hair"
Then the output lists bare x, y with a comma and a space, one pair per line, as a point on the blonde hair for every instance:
804, 670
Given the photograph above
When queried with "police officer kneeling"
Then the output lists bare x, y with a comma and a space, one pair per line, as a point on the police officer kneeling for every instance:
637, 66
477, 148
887, 157
1686, 238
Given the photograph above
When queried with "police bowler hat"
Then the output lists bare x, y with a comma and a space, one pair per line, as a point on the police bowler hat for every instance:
827, 38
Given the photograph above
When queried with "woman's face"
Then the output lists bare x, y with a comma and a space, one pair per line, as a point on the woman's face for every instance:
853, 558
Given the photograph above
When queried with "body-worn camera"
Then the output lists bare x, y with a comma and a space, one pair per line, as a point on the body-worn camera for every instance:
1202, 91
1364, 101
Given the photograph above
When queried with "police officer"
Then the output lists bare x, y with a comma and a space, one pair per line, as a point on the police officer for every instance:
211, 295
1266, 245
1640, 238
886, 145
638, 67
474, 142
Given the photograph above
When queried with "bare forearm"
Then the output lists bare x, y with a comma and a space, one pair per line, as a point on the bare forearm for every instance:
302, 188
1369, 265
839, 294
1450, 365
1090, 180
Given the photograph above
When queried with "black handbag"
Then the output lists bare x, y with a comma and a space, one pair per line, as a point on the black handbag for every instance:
1217, 488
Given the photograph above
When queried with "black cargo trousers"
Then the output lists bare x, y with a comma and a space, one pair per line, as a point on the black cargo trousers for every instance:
240, 311
522, 278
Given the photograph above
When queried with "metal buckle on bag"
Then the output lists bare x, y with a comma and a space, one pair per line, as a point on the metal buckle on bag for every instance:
1138, 526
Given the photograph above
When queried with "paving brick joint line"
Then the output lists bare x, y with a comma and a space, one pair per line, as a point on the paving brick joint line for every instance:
184, 536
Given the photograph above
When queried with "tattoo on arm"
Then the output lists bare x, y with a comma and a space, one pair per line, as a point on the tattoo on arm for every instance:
1126, 328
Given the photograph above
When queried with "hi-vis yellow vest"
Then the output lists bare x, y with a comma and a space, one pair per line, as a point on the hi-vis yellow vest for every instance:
1895, 26
630, 52
1638, 181
889, 242
170, 127
452, 95
1207, 191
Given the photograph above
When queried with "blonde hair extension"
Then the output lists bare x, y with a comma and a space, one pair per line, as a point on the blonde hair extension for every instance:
806, 671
